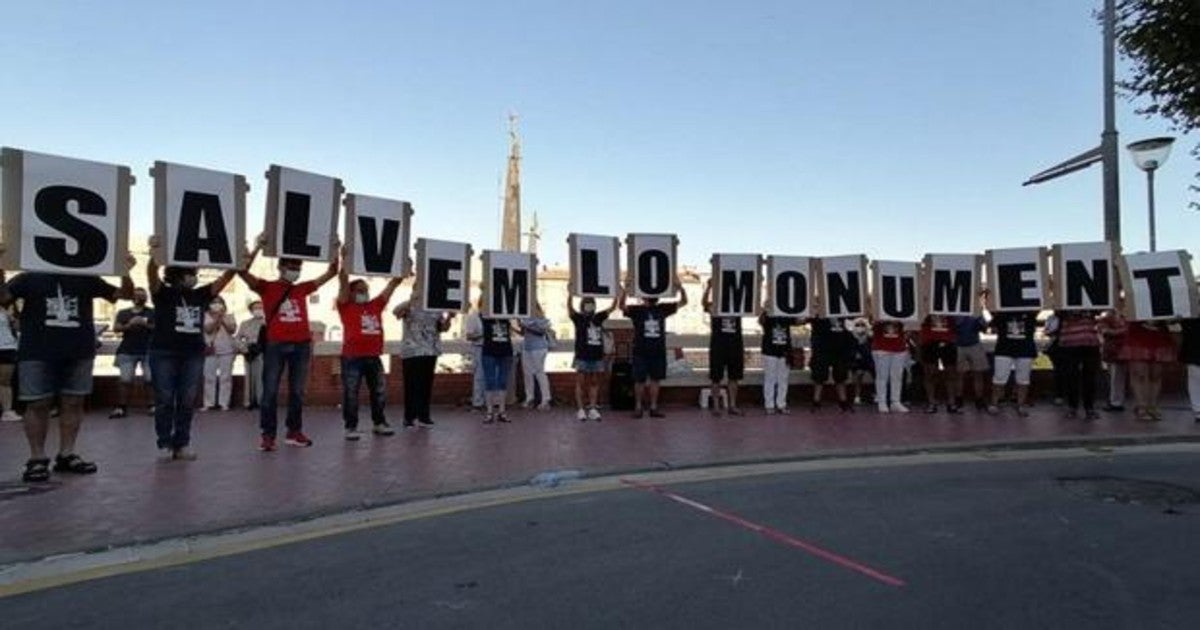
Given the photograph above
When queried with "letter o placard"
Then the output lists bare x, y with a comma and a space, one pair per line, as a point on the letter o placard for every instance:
652, 261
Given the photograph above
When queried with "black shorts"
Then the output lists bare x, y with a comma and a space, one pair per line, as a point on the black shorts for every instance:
945, 352
823, 364
649, 366
726, 361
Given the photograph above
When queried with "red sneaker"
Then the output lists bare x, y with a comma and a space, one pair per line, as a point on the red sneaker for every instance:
267, 444
297, 438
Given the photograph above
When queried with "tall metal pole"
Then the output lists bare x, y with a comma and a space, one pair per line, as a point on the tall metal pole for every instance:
1150, 198
1108, 139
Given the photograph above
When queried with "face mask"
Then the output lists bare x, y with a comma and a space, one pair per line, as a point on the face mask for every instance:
258, 312
290, 275
188, 282
216, 308
589, 308
361, 298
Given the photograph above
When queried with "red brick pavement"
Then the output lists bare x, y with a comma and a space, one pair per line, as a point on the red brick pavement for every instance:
134, 499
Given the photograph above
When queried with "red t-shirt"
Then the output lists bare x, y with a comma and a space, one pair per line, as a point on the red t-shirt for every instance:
938, 329
290, 323
888, 337
362, 328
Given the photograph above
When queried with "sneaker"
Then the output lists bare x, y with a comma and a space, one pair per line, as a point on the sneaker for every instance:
638, 413
593, 414
36, 470
488, 418
845, 407
503, 418
267, 444
297, 438
654, 413
166, 455
899, 408
119, 412
528, 404
10, 416
981, 406
1112, 407
425, 422
783, 411
736, 411
1071, 414
858, 400
1091, 415
883, 408
224, 407
544, 406
954, 410
771, 410
408, 424
352, 435
581, 415
185, 454
1022, 411
993, 409
383, 429
931, 409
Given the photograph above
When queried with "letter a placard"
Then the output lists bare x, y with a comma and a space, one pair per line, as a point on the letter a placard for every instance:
62, 215
302, 213
377, 236
595, 265
1159, 285
199, 216
737, 284
651, 264
509, 283
443, 276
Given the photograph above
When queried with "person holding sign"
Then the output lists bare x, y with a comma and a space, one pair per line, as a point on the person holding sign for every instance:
1189, 354
1015, 352
135, 326
1114, 328
832, 346
1147, 348
1079, 352
288, 346
889, 348
497, 365
726, 355
362, 346
55, 356
589, 354
420, 347
650, 346
972, 357
939, 361
777, 359
177, 349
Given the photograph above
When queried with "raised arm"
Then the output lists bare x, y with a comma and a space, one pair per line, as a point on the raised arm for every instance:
705, 301
250, 279
335, 266
444, 322
683, 296
390, 289
127, 286
571, 305
343, 277
402, 309
225, 278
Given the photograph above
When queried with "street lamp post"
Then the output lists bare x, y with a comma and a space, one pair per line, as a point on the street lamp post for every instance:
1149, 155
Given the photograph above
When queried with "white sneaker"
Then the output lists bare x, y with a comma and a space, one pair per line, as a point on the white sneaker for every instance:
10, 416
784, 411
581, 415
185, 454
353, 435
166, 455
544, 406
593, 414
899, 408
883, 408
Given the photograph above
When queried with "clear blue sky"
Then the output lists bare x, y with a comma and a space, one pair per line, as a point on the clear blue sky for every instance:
886, 127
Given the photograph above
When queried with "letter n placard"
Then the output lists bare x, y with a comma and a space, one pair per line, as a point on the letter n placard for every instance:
443, 276
1018, 279
951, 284
1084, 276
509, 283
199, 216
63, 215
302, 213
843, 286
651, 264
1159, 286
595, 265
737, 285
377, 236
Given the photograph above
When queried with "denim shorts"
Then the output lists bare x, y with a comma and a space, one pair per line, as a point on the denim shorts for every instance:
495, 372
40, 380
127, 366
589, 366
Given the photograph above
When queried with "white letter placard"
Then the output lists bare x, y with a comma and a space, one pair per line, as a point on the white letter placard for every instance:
509, 283
843, 286
652, 264
1084, 276
199, 216
443, 276
952, 284
63, 215
790, 286
377, 236
895, 287
595, 265
302, 213
1018, 279
1159, 285
737, 285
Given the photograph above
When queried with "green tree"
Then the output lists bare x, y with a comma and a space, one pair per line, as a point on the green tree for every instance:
1161, 40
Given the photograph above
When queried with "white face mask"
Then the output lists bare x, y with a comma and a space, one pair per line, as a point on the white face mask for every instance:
361, 298
258, 312
589, 308
290, 275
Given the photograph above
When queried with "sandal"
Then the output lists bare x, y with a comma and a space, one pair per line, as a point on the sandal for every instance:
36, 470
73, 464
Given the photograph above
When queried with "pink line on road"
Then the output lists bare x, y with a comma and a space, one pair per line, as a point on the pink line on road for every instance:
771, 533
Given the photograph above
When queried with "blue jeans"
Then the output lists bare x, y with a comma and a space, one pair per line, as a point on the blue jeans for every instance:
276, 356
495, 372
354, 371
176, 379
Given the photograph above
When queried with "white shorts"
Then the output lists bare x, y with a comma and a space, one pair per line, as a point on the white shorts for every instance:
1007, 365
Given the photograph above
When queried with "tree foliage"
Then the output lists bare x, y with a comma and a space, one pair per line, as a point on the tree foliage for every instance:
1161, 40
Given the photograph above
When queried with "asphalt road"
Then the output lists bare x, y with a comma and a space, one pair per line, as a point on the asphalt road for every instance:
978, 545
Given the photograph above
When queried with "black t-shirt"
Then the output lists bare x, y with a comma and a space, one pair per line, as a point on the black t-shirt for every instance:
831, 336
135, 340
57, 321
649, 326
1014, 335
497, 337
1189, 350
777, 335
726, 333
589, 336
179, 318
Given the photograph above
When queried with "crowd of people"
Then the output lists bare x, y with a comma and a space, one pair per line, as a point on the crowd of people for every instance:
183, 339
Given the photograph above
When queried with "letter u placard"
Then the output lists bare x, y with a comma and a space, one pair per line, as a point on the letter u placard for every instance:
302, 214
509, 283
63, 215
895, 291
199, 216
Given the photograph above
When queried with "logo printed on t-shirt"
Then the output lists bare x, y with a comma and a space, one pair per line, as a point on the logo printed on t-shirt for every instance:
595, 335
652, 329
728, 326
779, 336
62, 311
289, 312
187, 319
1016, 330
370, 324
500, 332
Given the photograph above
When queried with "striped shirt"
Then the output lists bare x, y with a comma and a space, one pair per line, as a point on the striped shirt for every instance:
1078, 330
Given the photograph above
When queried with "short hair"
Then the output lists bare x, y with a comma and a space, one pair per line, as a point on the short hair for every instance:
290, 262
